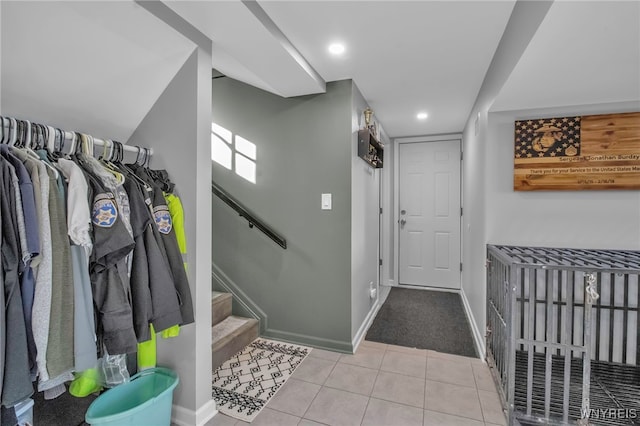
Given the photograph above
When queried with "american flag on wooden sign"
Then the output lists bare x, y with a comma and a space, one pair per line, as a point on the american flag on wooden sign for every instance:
552, 137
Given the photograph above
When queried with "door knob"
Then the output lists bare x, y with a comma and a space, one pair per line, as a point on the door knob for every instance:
402, 222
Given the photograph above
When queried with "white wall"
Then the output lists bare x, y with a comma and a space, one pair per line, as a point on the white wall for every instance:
495, 214
388, 217
473, 222
523, 23
574, 219
365, 228
178, 128
172, 128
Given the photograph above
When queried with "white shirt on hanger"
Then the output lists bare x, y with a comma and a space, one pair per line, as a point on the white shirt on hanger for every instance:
78, 212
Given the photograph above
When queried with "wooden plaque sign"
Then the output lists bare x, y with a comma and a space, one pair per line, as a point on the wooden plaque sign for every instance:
574, 153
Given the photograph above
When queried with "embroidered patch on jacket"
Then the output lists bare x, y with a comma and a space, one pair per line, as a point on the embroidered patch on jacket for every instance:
163, 219
104, 212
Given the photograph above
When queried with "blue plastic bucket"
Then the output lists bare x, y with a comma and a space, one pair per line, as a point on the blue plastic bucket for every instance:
145, 400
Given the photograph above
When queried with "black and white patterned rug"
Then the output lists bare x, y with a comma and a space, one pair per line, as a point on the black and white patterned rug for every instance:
244, 384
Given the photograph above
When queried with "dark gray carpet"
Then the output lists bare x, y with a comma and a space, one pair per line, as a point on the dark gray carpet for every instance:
66, 410
424, 319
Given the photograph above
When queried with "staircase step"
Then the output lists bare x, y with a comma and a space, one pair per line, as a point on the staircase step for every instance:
220, 306
231, 335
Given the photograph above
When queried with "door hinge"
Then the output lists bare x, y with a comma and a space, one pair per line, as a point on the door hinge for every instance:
380, 262
460, 211
380, 210
460, 266
461, 155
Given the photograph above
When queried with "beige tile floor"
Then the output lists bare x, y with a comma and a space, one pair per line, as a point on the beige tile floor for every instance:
383, 385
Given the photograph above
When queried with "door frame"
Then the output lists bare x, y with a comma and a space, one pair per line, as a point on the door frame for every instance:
396, 201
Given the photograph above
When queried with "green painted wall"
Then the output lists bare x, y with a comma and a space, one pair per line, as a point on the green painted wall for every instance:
303, 149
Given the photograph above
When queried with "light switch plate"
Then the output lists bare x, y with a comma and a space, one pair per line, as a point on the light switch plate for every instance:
326, 201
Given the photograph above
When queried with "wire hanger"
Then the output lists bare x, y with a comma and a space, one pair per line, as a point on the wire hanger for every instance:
106, 159
17, 133
27, 133
21, 138
13, 131
37, 135
34, 135
22, 135
44, 135
51, 139
2, 130
146, 158
60, 136
7, 137
7, 134
74, 144
49, 143
105, 148
84, 145
126, 168
138, 155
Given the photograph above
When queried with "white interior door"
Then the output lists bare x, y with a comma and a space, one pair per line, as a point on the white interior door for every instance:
429, 214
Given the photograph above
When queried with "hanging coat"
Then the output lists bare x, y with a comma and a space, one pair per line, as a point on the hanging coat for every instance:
42, 263
60, 358
79, 231
167, 241
108, 270
154, 296
3, 325
31, 246
17, 380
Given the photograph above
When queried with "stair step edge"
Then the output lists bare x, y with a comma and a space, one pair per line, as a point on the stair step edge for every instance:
235, 325
218, 297
221, 307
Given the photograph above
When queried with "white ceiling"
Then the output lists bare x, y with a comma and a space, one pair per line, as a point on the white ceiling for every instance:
248, 49
99, 66
583, 53
404, 56
410, 56
94, 67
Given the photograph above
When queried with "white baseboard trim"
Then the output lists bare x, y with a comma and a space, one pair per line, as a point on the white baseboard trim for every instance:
362, 331
391, 283
423, 287
184, 417
384, 293
478, 337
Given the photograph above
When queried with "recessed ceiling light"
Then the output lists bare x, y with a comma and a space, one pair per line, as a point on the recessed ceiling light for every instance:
336, 48
422, 115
